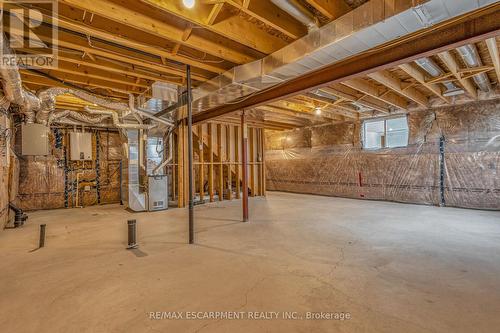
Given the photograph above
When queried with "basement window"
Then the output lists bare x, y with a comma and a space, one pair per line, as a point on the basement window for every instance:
385, 133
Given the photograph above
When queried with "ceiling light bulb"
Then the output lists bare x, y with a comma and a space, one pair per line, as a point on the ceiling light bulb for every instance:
317, 111
188, 3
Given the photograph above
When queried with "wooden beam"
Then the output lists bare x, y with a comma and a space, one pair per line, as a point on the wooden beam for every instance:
343, 110
271, 15
110, 36
67, 40
244, 165
93, 73
464, 30
232, 27
237, 159
336, 91
264, 180
492, 45
372, 90
392, 82
229, 163
214, 13
452, 65
106, 65
180, 165
133, 18
251, 159
201, 153
332, 9
31, 77
221, 166
412, 71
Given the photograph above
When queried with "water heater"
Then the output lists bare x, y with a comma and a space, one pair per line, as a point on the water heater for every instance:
80, 146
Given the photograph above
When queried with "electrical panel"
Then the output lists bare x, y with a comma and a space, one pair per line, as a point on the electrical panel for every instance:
158, 192
80, 146
34, 139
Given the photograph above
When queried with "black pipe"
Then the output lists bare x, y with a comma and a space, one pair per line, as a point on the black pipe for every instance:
190, 155
20, 217
132, 234
442, 171
41, 243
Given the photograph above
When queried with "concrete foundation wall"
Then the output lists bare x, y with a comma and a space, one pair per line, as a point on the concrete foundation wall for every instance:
329, 160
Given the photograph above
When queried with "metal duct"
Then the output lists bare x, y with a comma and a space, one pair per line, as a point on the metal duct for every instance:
116, 120
40, 107
299, 12
368, 26
434, 70
472, 59
4, 103
12, 84
79, 116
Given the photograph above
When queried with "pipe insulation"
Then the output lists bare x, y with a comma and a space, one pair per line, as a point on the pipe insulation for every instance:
299, 12
79, 116
12, 85
471, 58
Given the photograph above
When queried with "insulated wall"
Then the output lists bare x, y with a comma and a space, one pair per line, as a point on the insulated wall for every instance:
329, 160
43, 178
4, 169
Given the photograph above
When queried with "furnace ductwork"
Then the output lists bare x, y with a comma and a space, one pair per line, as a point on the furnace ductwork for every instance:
79, 116
366, 27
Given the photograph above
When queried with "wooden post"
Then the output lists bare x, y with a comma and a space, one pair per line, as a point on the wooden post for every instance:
211, 165
237, 159
252, 159
201, 151
258, 161
174, 168
180, 165
244, 142
264, 186
221, 166
190, 156
229, 165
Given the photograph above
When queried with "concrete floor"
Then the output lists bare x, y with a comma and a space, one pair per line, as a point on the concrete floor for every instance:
392, 267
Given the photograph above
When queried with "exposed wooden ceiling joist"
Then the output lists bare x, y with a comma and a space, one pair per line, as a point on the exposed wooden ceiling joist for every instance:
30, 77
412, 71
140, 21
69, 41
392, 82
269, 14
372, 90
330, 8
337, 90
495, 58
454, 68
230, 26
